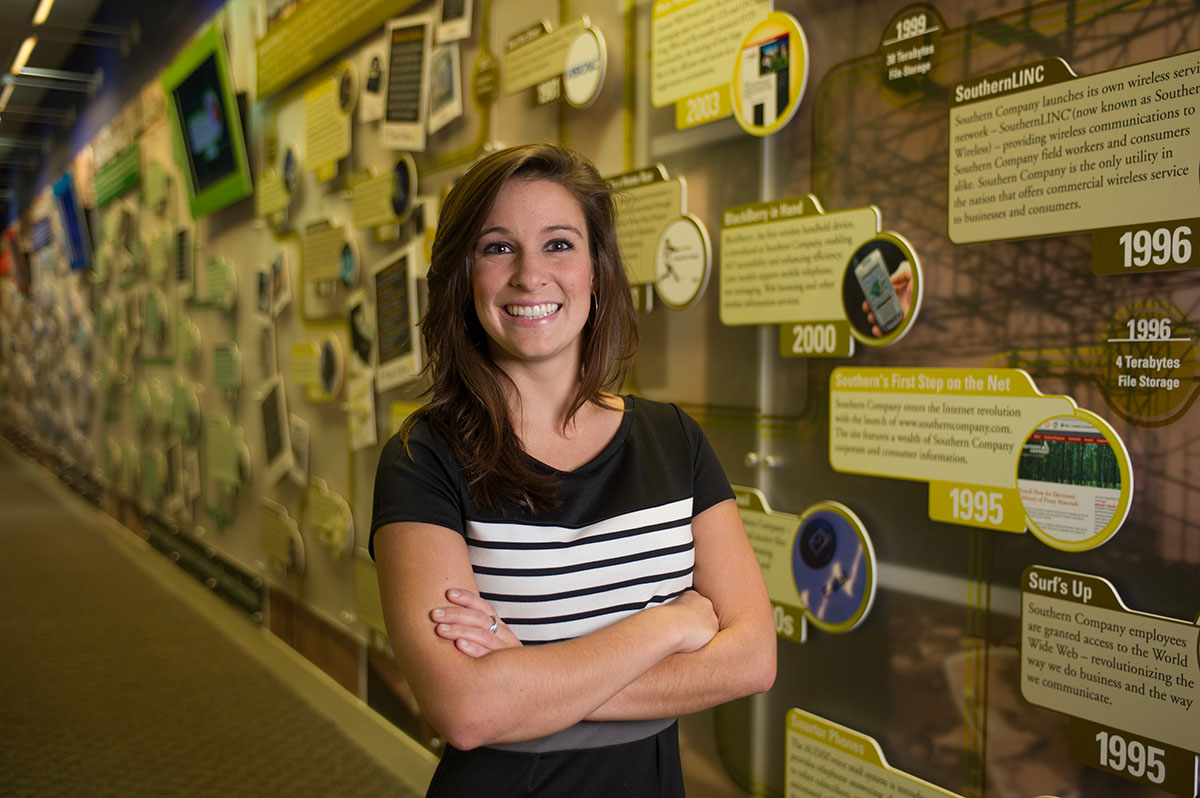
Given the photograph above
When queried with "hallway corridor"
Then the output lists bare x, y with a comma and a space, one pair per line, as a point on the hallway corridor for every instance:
120, 676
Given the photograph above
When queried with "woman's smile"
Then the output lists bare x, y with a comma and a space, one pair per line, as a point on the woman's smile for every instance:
534, 312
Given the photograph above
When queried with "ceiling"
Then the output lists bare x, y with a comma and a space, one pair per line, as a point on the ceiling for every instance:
110, 47
76, 48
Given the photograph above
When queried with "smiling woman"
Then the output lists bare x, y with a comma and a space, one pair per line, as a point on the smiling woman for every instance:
563, 570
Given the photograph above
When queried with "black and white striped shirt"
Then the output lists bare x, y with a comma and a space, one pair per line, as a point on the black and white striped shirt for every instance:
555, 582
619, 542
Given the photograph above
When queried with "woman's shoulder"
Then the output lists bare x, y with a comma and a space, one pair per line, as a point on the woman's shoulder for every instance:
659, 415
416, 442
652, 407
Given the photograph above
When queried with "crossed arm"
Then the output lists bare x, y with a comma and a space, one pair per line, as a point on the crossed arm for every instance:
476, 687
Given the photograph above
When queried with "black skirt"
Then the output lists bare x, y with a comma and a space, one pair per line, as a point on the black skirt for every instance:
646, 768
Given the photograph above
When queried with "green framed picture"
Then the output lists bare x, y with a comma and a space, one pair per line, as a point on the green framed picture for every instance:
206, 125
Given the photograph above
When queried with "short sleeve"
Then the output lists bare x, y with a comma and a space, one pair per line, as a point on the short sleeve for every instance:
710, 486
419, 483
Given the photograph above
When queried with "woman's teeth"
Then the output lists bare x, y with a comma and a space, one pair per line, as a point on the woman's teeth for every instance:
531, 311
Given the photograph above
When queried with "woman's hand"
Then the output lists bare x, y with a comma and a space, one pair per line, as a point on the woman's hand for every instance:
467, 623
468, 619
696, 619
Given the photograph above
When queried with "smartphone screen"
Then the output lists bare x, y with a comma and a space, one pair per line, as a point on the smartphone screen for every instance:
876, 284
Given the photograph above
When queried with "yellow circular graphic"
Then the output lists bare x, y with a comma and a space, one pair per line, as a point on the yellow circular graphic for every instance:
1075, 481
770, 74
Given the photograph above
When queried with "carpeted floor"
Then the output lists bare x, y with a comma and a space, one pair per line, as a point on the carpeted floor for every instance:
111, 685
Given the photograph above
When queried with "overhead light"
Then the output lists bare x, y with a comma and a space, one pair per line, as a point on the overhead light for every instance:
23, 55
43, 11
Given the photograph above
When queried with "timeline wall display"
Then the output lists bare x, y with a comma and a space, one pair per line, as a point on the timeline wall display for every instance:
298, 433
280, 537
683, 40
185, 275
360, 411
662, 243
567, 62
651, 202
791, 261
826, 759
223, 445
382, 200
1090, 657
328, 517
274, 286
1108, 152
997, 454
362, 330
923, 273
328, 105
819, 566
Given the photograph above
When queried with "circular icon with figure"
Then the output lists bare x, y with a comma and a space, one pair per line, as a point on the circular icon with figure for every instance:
833, 564
683, 263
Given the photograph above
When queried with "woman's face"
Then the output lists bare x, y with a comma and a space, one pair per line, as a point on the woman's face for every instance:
531, 275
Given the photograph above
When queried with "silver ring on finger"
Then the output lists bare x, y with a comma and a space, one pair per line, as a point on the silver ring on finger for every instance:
495, 624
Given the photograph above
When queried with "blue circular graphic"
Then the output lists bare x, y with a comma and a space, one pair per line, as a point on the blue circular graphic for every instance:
832, 565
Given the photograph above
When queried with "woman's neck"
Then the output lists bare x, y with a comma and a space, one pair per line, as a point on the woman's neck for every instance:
565, 443
541, 400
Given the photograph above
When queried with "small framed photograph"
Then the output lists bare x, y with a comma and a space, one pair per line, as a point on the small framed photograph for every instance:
406, 103
445, 91
455, 21
276, 430
398, 354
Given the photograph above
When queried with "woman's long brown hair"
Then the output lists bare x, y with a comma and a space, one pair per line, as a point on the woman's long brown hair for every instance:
468, 408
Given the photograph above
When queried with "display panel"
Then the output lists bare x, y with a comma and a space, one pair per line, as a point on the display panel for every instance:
406, 105
207, 125
397, 346
277, 446
74, 223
